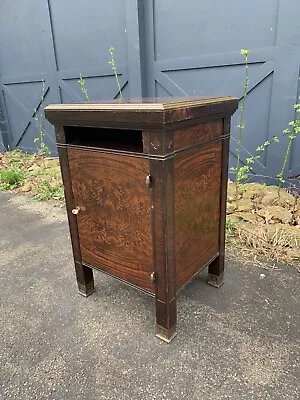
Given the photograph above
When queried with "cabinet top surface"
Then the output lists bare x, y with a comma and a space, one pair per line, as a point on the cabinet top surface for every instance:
145, 103
143, 112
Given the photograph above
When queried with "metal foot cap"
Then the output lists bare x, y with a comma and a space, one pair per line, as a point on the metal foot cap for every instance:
86, 290
167, 335
215, 280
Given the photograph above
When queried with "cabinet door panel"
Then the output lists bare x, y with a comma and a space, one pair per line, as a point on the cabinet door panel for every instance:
114, 220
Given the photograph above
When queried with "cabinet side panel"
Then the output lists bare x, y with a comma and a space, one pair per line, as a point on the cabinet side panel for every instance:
201, 133
197, 209
114, 221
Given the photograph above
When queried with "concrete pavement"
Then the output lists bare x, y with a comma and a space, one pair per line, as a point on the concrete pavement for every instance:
241, 341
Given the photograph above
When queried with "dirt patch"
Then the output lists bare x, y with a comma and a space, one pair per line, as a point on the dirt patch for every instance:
266, 220
31, 173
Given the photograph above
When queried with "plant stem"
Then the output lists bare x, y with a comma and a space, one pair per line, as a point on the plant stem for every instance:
41, 125
292, 134
241, 125
281, 179
114, 68
286, 155
43, 149
83, 87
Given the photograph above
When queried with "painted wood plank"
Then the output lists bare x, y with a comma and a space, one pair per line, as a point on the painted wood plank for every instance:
214, 60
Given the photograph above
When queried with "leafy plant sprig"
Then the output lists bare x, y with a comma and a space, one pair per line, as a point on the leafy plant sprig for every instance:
43, 149
241, 126
244, 170
83, 88
292, 132
114, 68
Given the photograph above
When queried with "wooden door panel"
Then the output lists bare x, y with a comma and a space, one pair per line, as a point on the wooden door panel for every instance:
115, 223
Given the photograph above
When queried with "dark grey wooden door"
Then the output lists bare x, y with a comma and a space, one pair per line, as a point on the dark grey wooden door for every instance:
193, 48
56, 41
162, 48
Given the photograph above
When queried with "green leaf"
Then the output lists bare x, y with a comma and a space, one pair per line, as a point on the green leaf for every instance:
245, 52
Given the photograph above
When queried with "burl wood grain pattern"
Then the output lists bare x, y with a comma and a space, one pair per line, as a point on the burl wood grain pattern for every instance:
197, 209
115, 223
202, 133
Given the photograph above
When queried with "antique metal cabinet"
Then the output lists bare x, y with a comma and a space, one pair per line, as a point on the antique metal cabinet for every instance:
145, 187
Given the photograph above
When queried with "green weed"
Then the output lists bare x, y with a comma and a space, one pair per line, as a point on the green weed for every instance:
48, 192
230, 229
83, 87
43, 149
114, 68
292, 132
11, 178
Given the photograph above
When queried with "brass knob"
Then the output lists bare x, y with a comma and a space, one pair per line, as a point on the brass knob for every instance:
76, 210
148, 181
153, 278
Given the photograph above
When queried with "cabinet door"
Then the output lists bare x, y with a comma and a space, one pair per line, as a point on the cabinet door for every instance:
114, 218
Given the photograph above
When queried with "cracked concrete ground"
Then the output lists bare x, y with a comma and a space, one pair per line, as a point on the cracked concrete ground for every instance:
237, 342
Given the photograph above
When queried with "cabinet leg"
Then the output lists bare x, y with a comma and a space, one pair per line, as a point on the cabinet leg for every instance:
166, 320
85, 279
216, 272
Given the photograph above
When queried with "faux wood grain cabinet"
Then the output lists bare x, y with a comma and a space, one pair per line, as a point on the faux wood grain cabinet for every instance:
145, 187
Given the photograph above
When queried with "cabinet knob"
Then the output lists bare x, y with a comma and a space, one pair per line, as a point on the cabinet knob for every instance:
148, 181
76, 210
153, 278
